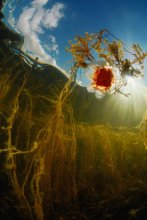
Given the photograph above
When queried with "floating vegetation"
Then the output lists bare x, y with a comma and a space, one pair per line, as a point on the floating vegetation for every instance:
101, 50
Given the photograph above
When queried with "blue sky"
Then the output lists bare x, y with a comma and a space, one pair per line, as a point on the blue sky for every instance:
48, 24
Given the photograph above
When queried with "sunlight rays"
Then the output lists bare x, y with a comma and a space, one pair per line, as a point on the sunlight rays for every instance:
132, 106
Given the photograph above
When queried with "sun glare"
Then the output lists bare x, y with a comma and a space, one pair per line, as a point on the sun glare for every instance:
132, 106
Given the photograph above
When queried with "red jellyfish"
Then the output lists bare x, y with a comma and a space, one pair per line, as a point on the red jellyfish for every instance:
103, 78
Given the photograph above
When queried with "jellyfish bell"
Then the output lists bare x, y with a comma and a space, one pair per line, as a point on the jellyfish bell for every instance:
99, 94
91, 67
102, 78
90, 89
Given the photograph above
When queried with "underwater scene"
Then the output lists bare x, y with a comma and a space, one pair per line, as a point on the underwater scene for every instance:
73, 111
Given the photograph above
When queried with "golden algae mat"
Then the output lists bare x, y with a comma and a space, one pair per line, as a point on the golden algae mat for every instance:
56, 166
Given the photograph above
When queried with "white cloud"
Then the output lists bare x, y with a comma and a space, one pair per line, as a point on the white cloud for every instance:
52, 16
32, 23
39, 3
36, 21
24, 21
52, 46
33, 45
52, 38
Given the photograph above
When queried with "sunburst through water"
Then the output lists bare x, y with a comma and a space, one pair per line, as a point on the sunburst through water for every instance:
131, 106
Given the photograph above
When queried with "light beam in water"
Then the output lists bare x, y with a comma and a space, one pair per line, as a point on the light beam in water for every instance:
132, 106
